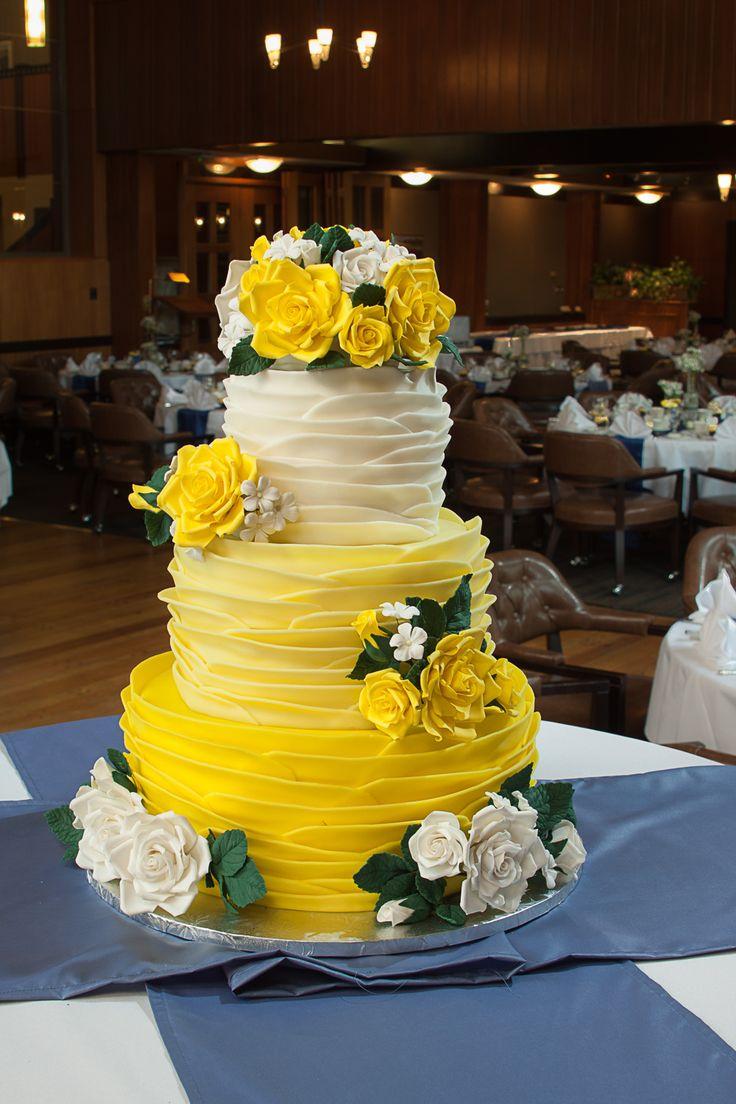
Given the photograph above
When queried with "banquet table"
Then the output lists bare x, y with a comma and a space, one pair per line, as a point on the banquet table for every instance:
690, 699
167, 419
6, 475
113, 1039
682, 450
541, 344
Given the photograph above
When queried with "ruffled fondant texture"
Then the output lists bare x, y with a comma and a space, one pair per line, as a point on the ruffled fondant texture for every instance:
360, 449
261, 633
314, 803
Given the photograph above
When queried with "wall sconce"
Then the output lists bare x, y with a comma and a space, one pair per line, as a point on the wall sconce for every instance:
545, 187
18, 216
724, 185
315, 52
494, 187
647, 196
35, 15
178, 277
324, 37
416, 178
264, 164
273, 49
366, 44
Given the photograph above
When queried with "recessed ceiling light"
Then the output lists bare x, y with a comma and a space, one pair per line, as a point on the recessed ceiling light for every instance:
264, 164
545, 188
546, 176
416, 178
220, 168
648, 196
728, 122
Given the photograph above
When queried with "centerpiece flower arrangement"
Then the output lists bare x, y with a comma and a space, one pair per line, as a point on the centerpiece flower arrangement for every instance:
331, 298
691, 364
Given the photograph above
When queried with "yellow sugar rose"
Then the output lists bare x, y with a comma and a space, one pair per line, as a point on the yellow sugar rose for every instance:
510, 683
417, 310
295, 311
296, 232
136, 500
365, 624
390, 703
366, 337
456, 687
203, 495
259, 247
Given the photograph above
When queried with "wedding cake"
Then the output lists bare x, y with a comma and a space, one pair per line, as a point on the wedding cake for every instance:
331, 678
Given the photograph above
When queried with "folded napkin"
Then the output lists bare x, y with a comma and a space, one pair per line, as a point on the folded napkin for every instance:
632, 400
710, 354
727, 429
198, 397
627, 423
717, 593
71, 366
204, 365
726, 403
170, 397
91, 365
572, 418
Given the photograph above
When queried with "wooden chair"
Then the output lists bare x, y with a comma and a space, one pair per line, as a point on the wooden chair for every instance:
716, 509
494, 476
38, 394
496, 410
707, 552
76, 425
647, 383
446, 378
109, 375
539, 392
590, 480
460, 398
724, 371
129, 449
633, 362
141, 390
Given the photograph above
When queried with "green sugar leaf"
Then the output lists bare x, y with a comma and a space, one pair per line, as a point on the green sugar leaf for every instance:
336, 358
118, 761
314, 233
368, 295
451, 914
409, 362
158, 527
519, 781
450, 347
245, 361
431, 891
405, 846
559, 795
125, 781
378, 870
414, 674
381, 652
333, 239
457, 607
157, 480
421, 908
396, 888
229, 853
246, 886
431, 618
61, 823
366, 665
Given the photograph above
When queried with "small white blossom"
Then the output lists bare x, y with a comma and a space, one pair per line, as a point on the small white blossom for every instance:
573, 854
367, 237
398, 610
259, 496
234, 330
284, 247
284, 509
258, 526
408, 642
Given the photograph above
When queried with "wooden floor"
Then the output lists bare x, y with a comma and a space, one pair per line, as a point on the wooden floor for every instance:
78, 611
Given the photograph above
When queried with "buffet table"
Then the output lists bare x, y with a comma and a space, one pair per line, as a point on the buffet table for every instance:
540, 345
109, 1044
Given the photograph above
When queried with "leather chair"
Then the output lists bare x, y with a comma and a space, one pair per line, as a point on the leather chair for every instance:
543, 386
494, 476
109, 375
141, 390
446, 378
38, 394
724, 371
706, 554
460, 398
76, 425
717, 509
634, 362
647, 383
494, 410
129, 449
590, 481
533, 600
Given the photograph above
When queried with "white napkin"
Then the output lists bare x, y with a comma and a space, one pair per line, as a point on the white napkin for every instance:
717, 611
223, 366
627, 423
572, 418
727, 403
665, 346
727, 429
710, 354
197, 396
632, 400
71, 366
171, 397
204, 365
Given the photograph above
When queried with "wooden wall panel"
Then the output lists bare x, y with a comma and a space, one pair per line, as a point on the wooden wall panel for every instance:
49, 299
131, 232
179, 73
463, 234
696, 230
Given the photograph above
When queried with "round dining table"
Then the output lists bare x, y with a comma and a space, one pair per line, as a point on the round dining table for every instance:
71, 1050
686, 450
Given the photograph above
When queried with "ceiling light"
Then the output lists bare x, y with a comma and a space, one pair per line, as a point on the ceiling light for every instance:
724, 185
315, 52
324, 37
366, 44
728, 122
416, 178
546, 176
220, 168
264, 164
545, 188
494, 188
648, 196
273, 49
35, 14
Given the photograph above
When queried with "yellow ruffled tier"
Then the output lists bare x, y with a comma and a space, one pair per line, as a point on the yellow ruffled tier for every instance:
314, 803
261, 633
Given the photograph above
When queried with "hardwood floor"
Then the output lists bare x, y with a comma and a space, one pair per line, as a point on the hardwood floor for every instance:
78, 611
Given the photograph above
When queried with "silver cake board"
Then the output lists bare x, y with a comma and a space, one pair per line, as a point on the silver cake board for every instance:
327, 934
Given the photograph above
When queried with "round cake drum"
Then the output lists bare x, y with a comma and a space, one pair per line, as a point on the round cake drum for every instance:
327, 934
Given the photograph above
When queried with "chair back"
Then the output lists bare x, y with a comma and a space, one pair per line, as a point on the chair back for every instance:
141, 390
493, 410
74, 415
108, 375
460, 398
446, 378
633, 362
121, 425
475, 445
532, 598
706, 554
4, 371
35, 384
8, 388
541, 386
587, 458
725, 367
647, 383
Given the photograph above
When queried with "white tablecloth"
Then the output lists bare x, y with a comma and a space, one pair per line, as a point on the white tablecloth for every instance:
45, 1045
540, 345
6, 475
690, 700
689, 452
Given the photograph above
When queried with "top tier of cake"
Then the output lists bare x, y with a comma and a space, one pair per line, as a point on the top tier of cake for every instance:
360, 450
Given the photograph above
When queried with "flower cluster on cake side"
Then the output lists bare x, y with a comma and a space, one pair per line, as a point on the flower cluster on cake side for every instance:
331, 298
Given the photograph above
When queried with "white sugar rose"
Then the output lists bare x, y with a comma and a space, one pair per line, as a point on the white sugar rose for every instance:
102, 793
361, 265
285, 248
227, 301
439, 846
367, 237
393, 912
394, 253
573, 854
504, 852
160, 861
102, 809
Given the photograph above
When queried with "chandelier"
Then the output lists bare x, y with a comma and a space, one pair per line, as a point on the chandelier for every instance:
319, 47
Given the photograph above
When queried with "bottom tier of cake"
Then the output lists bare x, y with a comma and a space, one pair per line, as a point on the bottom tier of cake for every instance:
315, 804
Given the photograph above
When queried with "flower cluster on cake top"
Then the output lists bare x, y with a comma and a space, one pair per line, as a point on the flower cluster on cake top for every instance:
331, 298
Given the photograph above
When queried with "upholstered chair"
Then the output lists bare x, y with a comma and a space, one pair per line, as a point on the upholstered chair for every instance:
647, 383
595, 485
715, 509
76, 426
141, 390
496, 410
708, 552
37, 396
460, 398
633, 362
